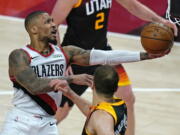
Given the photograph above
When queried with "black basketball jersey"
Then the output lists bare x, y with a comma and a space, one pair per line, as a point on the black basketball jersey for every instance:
117, 110
173, 11
175, 8
87, 24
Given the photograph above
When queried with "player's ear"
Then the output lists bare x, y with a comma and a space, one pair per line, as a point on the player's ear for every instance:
34, 29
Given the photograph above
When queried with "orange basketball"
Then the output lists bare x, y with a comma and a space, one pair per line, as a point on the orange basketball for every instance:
156, 38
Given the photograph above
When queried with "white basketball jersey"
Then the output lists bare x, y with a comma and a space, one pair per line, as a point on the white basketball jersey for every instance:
51, 66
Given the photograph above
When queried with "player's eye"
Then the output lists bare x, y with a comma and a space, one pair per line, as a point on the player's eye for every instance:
48, 21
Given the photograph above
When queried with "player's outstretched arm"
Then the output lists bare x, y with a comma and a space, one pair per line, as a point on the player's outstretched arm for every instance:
143, 12
61, 10
82, 79
80, 56
77, 55
19, 68
82, 104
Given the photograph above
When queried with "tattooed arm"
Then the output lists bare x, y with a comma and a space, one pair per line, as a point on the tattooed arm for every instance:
83, 57
77, 55
19, 68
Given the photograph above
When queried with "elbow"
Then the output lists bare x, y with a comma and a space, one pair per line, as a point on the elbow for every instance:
36, 87
35, 93
33, 90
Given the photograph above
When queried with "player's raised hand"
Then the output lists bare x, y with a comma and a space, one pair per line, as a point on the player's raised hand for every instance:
171, 25
152, 56
146, 55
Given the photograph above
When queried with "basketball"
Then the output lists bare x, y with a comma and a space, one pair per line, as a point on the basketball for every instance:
157, 38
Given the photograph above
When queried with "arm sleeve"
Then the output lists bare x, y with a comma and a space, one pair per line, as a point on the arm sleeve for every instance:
113, 57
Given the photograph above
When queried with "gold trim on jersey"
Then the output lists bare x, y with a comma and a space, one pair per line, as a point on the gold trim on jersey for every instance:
108, 108
124, 83
78, 4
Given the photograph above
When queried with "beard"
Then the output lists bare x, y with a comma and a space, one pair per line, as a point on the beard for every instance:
52, 41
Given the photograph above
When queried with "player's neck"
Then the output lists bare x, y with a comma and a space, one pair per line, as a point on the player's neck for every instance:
42, 47
98, 99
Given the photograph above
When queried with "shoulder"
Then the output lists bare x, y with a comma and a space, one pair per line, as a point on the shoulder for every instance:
102, 122
18, 55
17, 52
101, 117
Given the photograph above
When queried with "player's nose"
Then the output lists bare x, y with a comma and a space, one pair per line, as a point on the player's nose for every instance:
53, 25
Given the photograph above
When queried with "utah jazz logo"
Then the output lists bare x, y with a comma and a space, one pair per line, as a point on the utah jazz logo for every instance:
97, 5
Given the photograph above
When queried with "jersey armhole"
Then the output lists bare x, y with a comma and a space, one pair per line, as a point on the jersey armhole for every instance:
12, 78
27, 54
65, 55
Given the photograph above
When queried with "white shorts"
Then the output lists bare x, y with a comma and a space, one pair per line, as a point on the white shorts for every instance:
19, 122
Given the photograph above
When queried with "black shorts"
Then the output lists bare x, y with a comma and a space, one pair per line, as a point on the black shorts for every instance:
79, 89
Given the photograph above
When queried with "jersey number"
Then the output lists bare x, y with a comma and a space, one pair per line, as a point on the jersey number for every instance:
98, 22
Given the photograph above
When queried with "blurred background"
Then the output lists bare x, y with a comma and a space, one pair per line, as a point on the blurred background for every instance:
120, 20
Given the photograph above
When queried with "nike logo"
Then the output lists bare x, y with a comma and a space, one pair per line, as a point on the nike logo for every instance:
52, 123
34, 57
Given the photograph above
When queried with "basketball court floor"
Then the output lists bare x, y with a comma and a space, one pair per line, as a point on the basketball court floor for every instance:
156, 83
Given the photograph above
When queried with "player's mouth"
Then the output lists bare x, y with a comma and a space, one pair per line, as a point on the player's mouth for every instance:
53, 32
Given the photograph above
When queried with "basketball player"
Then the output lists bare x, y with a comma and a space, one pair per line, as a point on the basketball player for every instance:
34, 71
106, 115
87, 28
173, 14
38, 68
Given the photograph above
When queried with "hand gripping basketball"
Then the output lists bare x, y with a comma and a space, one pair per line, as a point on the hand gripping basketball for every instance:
157, 38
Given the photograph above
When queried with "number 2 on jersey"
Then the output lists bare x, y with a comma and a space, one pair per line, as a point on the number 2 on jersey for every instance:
98, 22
